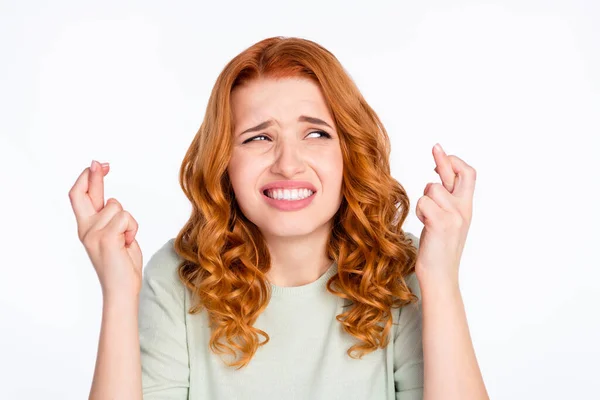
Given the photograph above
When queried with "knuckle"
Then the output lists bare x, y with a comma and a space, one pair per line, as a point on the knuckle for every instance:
469, 170
436, 188
115, 203
124, 215
427, 188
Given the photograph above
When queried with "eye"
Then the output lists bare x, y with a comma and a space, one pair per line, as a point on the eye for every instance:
260, 138
255, 137
325, 134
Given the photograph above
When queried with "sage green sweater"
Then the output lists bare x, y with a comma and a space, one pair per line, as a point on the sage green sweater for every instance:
305, 358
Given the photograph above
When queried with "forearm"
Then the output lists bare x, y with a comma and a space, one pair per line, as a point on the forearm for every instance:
451, 370
118, 368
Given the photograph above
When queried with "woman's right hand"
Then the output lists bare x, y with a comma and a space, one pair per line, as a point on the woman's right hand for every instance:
107, 233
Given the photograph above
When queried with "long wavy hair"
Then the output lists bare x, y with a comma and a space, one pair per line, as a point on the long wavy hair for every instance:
225, 257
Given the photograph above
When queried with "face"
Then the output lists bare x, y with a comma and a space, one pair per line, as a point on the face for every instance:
286, 164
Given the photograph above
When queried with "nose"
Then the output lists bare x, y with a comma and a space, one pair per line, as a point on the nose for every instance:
288, 159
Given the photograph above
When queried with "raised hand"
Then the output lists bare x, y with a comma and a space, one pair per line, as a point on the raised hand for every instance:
446, 210
107, 233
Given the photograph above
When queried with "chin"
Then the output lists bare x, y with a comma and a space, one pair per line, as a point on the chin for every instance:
275, 223
288, 229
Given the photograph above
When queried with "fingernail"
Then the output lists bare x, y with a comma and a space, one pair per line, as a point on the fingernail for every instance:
104, 164
93, 166
439, 147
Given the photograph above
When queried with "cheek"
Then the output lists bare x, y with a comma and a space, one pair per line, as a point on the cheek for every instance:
243, 172
235, 172
331, 167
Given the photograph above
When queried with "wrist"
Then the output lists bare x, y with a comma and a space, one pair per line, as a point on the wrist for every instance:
435, 279
120, 299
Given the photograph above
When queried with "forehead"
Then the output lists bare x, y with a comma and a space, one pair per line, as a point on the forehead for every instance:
279, 98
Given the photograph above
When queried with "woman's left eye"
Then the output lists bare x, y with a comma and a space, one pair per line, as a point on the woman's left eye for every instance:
325, 134
253, 139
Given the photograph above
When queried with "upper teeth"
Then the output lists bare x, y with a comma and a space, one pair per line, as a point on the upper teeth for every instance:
289, 194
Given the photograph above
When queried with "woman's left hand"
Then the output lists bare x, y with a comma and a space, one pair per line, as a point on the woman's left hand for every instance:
445, 210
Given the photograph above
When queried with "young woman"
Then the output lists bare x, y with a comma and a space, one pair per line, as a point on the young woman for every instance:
293, 277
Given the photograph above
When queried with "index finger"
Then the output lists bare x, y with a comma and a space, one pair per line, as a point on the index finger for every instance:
96, 186
79, 196
80, 201
444, 168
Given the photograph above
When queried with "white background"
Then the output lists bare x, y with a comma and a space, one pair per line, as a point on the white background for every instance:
512, 87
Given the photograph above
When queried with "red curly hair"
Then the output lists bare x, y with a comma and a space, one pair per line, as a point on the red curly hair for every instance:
225, 257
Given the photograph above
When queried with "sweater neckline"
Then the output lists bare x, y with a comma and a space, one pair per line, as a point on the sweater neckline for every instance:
312, 287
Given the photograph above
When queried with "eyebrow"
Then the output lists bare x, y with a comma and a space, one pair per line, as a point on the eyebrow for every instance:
302, 118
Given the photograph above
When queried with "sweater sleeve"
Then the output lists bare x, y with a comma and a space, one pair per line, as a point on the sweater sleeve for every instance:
162, 329
408, 345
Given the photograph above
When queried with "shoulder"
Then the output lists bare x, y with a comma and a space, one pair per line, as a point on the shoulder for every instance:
162, 291
163, 264
411, 312
411, 279
413, 238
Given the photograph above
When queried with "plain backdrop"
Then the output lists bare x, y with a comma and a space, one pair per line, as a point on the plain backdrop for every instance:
511, 87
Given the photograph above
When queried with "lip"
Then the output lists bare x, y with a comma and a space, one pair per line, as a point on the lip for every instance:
289, 205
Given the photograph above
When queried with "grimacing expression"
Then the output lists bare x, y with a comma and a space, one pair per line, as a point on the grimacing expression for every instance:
295, 139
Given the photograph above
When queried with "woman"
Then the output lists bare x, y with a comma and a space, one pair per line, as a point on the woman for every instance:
293, 277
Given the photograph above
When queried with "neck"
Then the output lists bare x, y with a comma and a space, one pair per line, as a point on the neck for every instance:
298, 260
